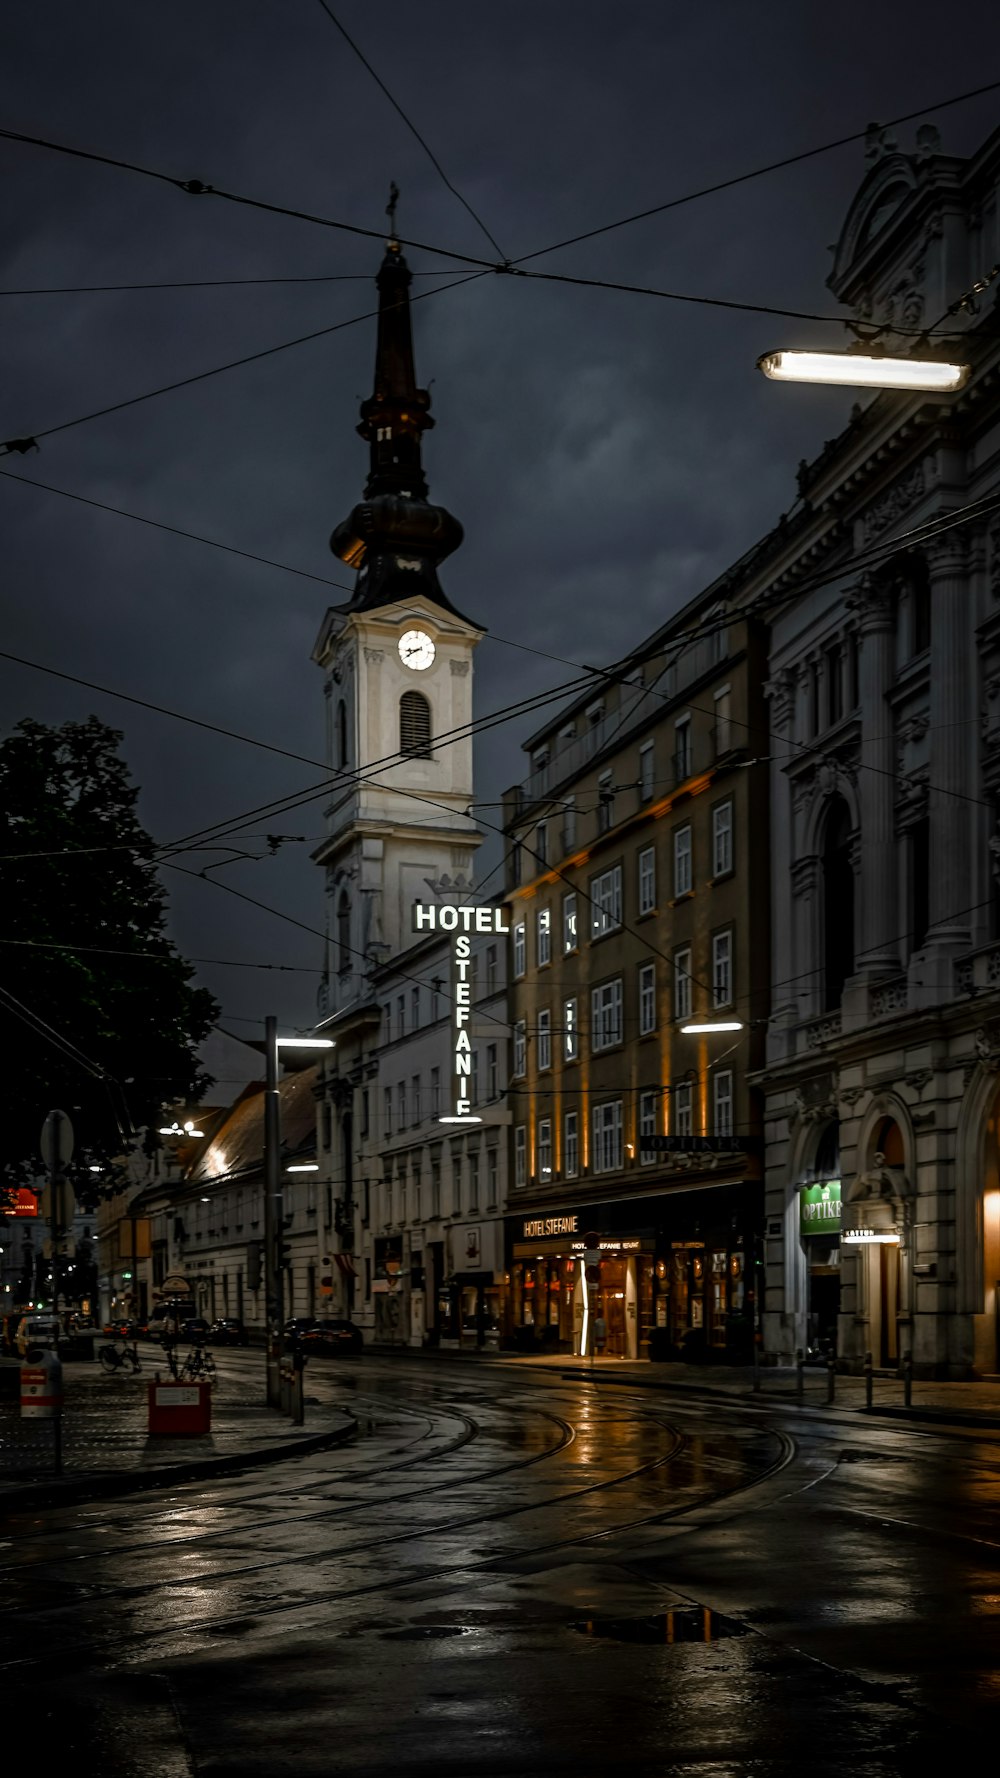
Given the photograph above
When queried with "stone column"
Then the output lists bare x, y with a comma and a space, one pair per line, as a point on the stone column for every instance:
877, 953
951, 784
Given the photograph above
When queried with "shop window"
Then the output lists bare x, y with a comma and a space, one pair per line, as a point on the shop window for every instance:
571, 1031
606, 1015
682, 983
545, 1149
606, 902
571, 1146
647, 1126
607, 1122
647, 880
520, 950
544, 936
647, 999
520, 1156
545, 1039
683, 874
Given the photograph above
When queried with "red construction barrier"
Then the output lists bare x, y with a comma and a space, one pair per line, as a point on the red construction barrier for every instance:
179, 1410
41, 1389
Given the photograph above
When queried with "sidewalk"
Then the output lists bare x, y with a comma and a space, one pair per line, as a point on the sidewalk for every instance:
107, 1451
952, 1404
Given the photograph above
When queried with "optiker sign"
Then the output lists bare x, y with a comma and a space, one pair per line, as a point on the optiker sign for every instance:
463, 922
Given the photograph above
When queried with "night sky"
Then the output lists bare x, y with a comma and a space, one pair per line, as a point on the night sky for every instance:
607, 454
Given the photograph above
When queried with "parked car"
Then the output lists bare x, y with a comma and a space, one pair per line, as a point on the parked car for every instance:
230, 1331
196, 1329
37, 1330
297, 1326
333, 1337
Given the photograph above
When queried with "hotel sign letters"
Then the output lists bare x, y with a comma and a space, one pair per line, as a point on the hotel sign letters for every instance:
463, 922
537, 1228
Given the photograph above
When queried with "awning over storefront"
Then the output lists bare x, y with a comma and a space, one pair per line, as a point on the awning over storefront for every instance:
869, 1221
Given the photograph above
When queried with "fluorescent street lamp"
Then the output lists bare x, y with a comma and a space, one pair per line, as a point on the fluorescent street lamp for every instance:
304, 1167
863, 370
305, 1043
466, 1118
713, 1025
274, 1210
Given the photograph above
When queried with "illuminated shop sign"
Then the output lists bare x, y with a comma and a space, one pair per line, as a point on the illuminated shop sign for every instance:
820, 1208
462, 921
537, 1228
870, 1222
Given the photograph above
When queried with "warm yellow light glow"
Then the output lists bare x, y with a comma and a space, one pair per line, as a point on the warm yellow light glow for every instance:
586, 1311
861, 370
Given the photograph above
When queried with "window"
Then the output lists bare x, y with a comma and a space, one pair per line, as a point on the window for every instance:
545, 1039
722, 839
401, 1104
682, 861
474, 1076
571, 1031
436, 986
814, 697
606, 899
682, 983
435, 1188
647, 1126
569, 825
838, 902
647, 768
608, 1137
515, 864
520, 949
834, 682
543, 921
415, 1099
569, 923
542, 843
414, 725
606, 1015
919, 847
683, 1112
401, 1013
682, 749
647, 999
492, 1176
520, 1155
854, 670
571, 1146
435, 1090
647, 880
605, 803
722, 969
545, 1148
387, 1016
491, 969
520, 1048
722, 1104
492, 1082
723, 720
414, 1009
473, 1182
344, 933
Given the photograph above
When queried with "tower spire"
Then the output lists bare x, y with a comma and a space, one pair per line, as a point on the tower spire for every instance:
395, 538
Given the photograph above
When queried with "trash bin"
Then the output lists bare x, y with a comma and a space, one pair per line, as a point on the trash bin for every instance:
179, 1410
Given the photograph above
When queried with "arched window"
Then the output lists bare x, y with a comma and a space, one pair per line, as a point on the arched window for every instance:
415, 725
343, 933
889, 1142
341, 733
838, 902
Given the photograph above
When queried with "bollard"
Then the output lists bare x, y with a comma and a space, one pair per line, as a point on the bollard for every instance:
800, 1368
868, 1380
42, 1395
831, 1381
908, 1380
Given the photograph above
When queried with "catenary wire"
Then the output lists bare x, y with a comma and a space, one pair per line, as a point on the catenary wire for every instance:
411, 126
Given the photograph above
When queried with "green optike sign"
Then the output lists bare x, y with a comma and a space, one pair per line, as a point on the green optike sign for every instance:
819, 1208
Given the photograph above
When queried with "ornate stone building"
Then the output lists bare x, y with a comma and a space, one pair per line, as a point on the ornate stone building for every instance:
882, 589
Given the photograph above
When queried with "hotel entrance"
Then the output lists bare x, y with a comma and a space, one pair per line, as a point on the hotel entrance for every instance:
555, 1304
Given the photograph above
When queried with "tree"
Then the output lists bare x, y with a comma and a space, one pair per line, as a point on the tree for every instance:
107, 1031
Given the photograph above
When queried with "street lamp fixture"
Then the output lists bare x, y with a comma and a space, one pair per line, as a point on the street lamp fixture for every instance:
305, 1043
869, 370
466, 1118
712, 1025
305, 1167
274, 1209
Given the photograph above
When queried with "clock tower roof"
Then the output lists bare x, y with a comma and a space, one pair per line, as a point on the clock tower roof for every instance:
395, 537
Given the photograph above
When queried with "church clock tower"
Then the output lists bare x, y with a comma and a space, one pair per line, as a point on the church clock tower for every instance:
397, 662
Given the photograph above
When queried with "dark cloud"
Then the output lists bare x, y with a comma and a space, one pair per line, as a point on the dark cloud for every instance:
607, 454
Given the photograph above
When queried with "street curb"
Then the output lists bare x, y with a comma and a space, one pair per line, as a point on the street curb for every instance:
107, 1485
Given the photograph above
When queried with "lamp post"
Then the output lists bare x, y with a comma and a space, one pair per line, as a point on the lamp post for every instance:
274, 1217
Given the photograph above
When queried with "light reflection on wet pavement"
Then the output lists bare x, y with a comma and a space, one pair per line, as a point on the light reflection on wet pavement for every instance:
512, 1575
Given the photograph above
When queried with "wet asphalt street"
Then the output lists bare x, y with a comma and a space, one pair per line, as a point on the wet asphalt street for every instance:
512, 1573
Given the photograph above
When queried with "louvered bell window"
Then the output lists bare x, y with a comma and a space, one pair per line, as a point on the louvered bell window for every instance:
415, 725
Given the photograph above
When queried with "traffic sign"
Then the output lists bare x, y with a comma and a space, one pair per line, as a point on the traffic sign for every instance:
57, 1142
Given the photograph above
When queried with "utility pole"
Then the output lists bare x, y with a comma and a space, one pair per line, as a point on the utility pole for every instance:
274, 1219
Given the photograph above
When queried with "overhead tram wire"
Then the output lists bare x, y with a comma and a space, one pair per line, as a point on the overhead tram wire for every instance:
202, 283
33, 944
411, 126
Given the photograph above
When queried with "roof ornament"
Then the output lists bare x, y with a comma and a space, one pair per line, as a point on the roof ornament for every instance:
879, 142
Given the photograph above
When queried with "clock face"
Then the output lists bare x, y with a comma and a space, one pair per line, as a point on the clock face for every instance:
416, 650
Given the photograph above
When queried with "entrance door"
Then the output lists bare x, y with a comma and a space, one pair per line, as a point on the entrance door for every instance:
889, 1303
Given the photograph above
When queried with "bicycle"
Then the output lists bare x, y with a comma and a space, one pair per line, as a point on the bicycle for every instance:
198, 1366
119, 1355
